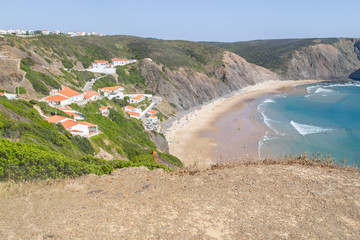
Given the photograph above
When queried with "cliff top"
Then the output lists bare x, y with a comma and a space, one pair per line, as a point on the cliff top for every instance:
279, 201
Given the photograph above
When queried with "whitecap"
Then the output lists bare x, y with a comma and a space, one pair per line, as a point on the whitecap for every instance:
305, 129
312, 89
323, 91
269, 101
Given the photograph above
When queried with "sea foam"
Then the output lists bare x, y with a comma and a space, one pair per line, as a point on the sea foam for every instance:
305, 129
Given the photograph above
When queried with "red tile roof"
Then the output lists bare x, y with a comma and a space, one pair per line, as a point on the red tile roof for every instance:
103, 108
68, 92
153, 112
132, 113
87, 124
56, 98
55, 119
101, 61
119, 59
137, 97
69, 123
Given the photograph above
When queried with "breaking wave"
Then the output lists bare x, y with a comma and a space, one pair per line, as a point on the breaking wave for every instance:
305, 129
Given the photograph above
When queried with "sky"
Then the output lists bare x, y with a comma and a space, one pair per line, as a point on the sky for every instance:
194, 20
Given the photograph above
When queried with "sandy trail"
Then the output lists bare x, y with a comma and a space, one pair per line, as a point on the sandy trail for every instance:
243, 202
195, 150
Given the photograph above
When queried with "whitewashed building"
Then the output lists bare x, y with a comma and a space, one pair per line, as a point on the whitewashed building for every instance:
100, 64
45, 32
137, 98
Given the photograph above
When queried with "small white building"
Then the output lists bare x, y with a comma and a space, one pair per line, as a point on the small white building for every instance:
20, 32
8, 95
91, 95
120, 61
57, 32
64, 97
45, 32
100, 64
153, 118
104, 110
2, 31
137, 98
132, 109
70, 33
84, 129
111, 91
31, 32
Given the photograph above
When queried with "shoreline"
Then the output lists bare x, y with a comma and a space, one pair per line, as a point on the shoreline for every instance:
192, 137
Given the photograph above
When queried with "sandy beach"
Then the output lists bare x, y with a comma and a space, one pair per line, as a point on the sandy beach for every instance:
192, 137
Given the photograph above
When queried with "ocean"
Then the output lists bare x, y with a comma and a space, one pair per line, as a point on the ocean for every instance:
318, 118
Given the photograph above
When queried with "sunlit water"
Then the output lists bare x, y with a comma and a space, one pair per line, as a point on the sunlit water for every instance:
315, 118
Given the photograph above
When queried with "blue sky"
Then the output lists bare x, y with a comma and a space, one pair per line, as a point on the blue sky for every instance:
225, 20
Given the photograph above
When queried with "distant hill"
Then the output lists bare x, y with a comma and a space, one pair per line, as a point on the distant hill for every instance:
278, 55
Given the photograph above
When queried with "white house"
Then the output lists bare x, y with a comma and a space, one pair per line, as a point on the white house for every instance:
20, 32
70, 33
111, 91
31, 32
8, 95
57, 32
104, 110
120, 62
100, 64
137, 98
152, 112
84, 129
2, 31
153, 118
90, 95
132, 109
72, 113
64, 97
45, 32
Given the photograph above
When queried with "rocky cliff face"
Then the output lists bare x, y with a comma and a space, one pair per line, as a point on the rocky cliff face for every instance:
187, 88
324, 61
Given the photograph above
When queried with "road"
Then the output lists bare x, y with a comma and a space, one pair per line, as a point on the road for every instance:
88, 85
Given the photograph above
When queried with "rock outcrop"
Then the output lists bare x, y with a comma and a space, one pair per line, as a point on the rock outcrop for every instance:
187, 88
324, 61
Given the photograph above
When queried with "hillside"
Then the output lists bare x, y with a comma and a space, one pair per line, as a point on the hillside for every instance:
331, 58
261, 201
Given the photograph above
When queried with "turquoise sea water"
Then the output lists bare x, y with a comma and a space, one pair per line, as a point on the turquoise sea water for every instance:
315, 118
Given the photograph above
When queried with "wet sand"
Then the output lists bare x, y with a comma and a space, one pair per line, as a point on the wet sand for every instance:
225, 129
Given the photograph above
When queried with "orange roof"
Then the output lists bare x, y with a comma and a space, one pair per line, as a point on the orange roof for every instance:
89, 95
55, 119
130, 107
119, 59
87, 123
65, 109
152, 111
56, 98
91, 92
111, 88
103, 108
69, 123
75, 131
153, 116
137, 97
73, 114
1, 93
132, 113
101, 61
68, 92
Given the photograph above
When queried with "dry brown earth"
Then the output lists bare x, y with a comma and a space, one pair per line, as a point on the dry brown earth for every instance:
242, 202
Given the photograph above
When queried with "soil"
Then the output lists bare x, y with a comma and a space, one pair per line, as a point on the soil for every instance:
255, 201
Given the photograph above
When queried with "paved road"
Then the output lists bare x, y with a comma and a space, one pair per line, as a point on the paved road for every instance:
88, 85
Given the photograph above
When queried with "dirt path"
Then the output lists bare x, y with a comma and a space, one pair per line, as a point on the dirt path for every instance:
244, 202
40, 112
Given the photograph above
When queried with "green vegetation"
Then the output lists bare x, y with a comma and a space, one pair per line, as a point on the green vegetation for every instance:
20, 90
44, 150
67, 63
134, 77
271, 54
39, 80
107, 81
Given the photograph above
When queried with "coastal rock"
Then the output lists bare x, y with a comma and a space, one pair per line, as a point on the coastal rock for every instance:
187, 88
324, 61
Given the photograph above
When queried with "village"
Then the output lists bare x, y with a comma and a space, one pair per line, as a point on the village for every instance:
62, 98
23, 32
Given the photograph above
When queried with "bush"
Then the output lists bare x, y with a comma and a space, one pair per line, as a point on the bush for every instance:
67, 63
20, 90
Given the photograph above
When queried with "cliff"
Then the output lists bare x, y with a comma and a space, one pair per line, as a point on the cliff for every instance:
302, 58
